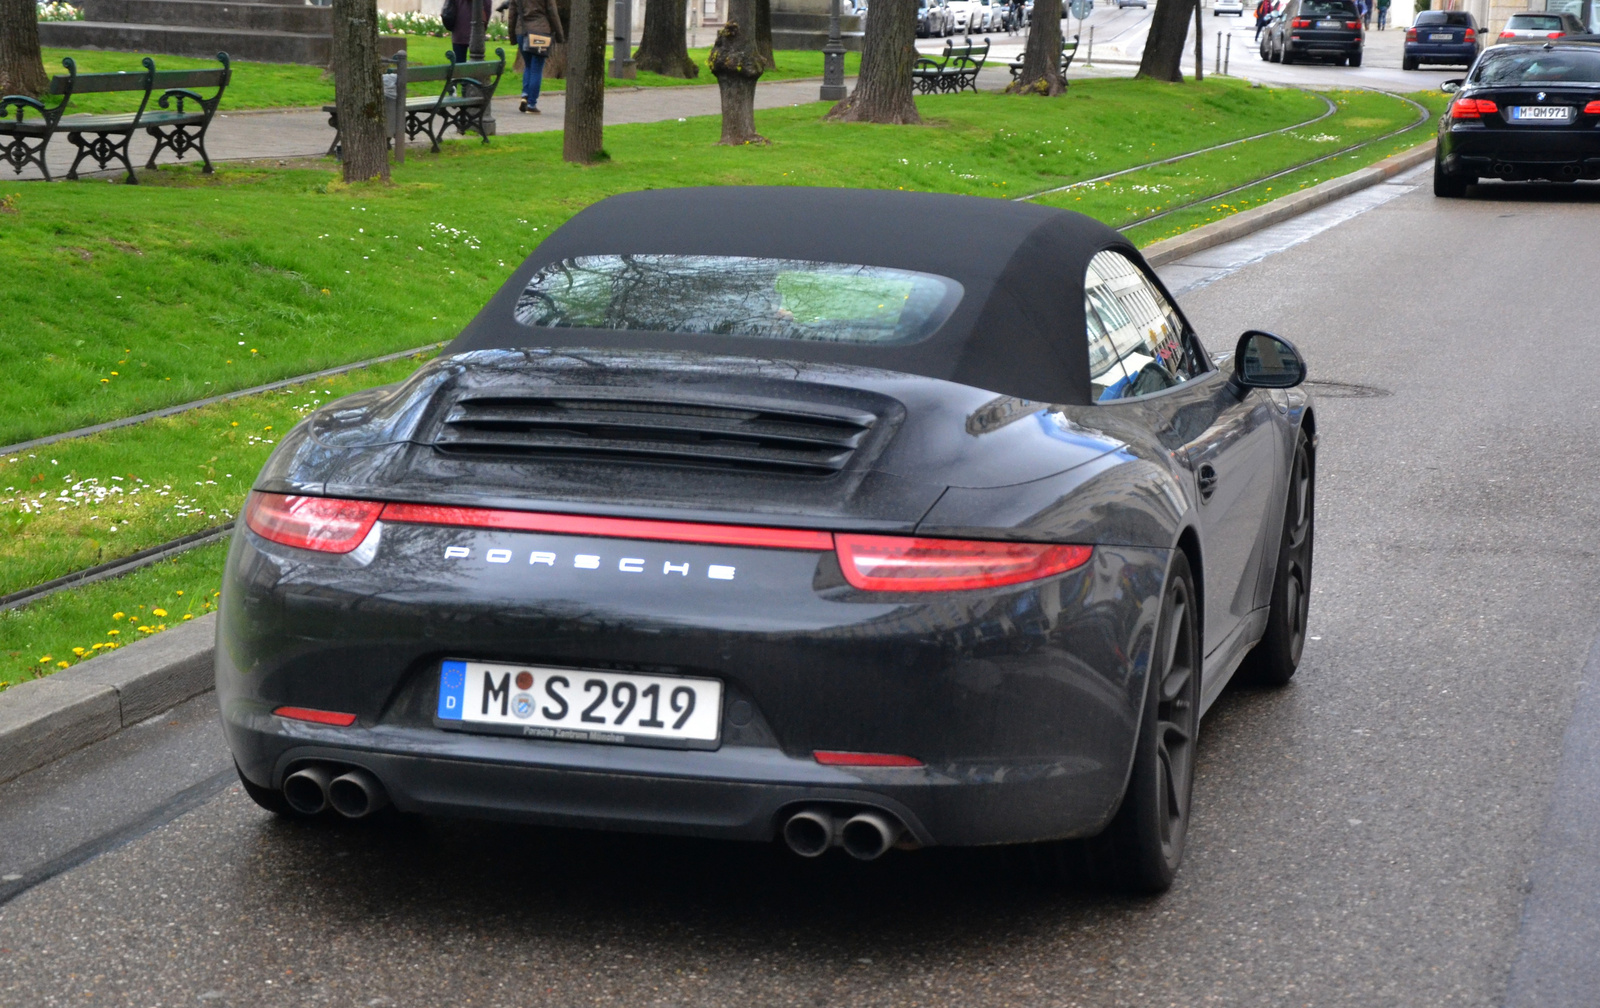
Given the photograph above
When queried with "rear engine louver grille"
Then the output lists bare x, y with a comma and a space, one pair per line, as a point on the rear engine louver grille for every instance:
765, 438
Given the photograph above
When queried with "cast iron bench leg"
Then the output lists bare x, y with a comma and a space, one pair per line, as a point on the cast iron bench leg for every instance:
104, 150
180, 141
18, 154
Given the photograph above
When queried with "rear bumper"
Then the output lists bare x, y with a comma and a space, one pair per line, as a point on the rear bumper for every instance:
1323, 47
1521, 153
1022, 702
1424, 53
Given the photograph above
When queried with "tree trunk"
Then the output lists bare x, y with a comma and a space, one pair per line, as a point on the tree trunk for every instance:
883, 91
555, 64
736, 61
1163, 48
1041, 60
358, 90
21, 67
664, 48
763, 21
583, 134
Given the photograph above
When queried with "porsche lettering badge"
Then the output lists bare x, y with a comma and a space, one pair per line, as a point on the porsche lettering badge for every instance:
591, 561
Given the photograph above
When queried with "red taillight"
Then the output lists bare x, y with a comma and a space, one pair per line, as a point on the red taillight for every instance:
316, 716
1508, 34
1555, 34
864, 759
1300, 23
1470, 36
895, 563
1472, 108
615, 528
325, 524
1352, 24
1411, 34
1593, 108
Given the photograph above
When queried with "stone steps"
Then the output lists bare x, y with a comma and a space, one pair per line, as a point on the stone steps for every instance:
301, 18
259, 45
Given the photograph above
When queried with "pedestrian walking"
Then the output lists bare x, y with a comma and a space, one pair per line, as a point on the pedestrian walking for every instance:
1366, 13
461, 32
535, 26
1383, 14
1263, 13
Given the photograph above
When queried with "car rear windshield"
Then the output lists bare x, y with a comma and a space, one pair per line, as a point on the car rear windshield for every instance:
1535, 22
739, 296
1512, 65
1328, 8
1455, 18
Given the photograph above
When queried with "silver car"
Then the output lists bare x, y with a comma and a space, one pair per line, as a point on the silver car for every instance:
1540, 27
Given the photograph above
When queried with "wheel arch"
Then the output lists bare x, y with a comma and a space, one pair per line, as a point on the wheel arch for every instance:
1189, 544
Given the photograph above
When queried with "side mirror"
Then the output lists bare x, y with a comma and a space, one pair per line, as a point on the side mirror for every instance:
1263, 360
1453, 85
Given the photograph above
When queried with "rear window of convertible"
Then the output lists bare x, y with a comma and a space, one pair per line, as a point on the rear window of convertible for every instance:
1514, 65
739, 296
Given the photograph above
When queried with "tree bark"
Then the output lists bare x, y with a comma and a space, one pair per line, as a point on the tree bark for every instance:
21, 66
583, 134
1041, 60
1163, 48
737, 64
883, 90
664, 47
358, 90
763, 23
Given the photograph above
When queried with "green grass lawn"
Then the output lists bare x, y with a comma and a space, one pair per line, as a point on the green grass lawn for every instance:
127, 298
291, 85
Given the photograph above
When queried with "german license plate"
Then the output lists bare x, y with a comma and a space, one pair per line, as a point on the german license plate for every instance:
1440, 37
1530, 113
1330, 24
578, 705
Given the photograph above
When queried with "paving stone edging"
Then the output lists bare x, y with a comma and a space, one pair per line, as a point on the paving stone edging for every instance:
45, 719
1285, 207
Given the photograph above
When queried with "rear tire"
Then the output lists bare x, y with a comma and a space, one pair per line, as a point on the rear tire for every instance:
1274, 659
1355, 60
1285, 56
1408, 63
272, 801
1449, 186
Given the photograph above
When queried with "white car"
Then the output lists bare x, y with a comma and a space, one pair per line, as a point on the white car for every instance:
964, 12
1234, 7
988, 15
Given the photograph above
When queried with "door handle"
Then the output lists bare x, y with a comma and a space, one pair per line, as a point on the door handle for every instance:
1206, 478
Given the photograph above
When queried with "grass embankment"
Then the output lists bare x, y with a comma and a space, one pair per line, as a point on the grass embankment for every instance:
128, 298
262, 250
292, 85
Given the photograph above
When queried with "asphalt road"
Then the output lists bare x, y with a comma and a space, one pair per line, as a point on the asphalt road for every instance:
1364, 837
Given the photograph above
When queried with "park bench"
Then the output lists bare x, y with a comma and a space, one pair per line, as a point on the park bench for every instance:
955, 70
465, 91
1068, 50
178, 121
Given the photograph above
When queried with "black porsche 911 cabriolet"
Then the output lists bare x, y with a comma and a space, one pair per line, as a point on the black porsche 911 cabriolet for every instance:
809, 527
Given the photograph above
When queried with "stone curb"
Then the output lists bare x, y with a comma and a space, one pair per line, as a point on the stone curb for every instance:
1280, 210
45, 719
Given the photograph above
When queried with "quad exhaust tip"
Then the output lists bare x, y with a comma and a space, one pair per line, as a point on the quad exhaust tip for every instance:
864, 833
350, 791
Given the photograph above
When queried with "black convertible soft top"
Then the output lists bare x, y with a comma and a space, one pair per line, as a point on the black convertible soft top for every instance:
1018, 330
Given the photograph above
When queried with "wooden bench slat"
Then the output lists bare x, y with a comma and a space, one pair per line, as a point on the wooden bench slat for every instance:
189, 78
102, 83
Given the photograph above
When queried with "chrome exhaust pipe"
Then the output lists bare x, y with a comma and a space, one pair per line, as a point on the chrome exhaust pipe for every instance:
1504, 170
356, 794
810, 832
866, 835
306, 790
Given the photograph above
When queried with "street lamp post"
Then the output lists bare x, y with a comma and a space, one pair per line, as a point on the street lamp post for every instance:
622, 66
833, 58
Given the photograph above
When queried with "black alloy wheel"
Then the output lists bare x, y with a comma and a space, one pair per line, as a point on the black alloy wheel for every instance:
1139, 852
1274, 659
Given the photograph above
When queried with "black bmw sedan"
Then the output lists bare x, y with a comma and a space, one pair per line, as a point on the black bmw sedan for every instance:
1524, 112
802, 529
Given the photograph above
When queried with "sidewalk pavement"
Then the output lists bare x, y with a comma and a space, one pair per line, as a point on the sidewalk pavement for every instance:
298, 133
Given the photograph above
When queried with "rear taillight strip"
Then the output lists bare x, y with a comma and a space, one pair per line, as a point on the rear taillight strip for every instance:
611, 528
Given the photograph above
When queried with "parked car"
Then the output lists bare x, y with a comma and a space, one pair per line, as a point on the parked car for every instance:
962, 14
798, 530
1316, 29
1524, 112
1232, 7
933, 17
1441, 37
1540, 27
988, 15
1141, 4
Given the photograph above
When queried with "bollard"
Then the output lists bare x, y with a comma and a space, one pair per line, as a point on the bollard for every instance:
1088, 59
1227, 55
1216, 57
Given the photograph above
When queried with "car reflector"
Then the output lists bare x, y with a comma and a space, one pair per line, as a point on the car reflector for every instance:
316, 716
827, 758
895, 563
615, 528
325, 524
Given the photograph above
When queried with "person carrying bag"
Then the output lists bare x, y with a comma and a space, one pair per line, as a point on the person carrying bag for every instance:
535, 26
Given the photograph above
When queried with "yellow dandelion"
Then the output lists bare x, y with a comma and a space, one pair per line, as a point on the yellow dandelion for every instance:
45, 658
105, 381
78, 651
118, 615
234, 424
180, 593
158, 612
114, 374
62, 664
188, 615
112, 633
